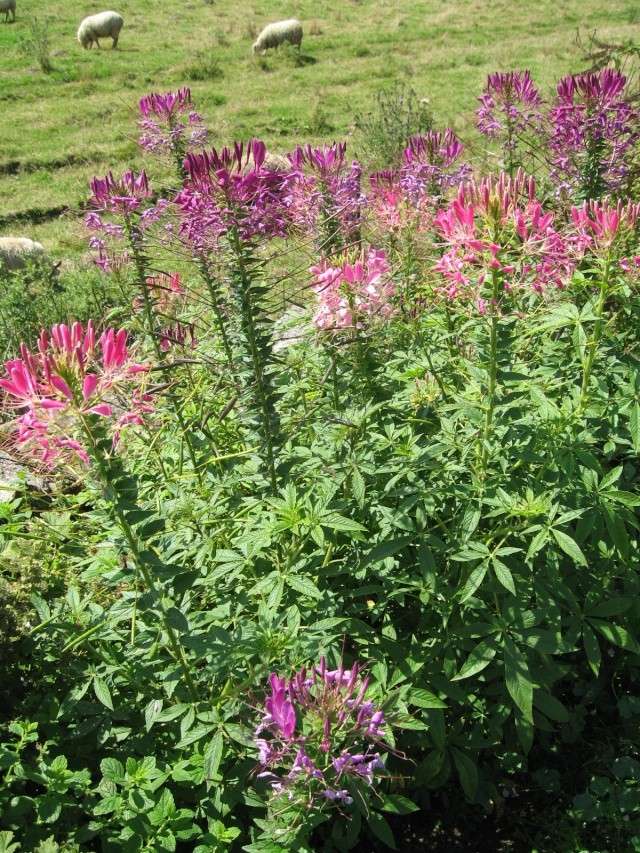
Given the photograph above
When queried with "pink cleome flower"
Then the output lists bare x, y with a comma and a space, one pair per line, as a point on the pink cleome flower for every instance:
71, 376
353, 294
169, 122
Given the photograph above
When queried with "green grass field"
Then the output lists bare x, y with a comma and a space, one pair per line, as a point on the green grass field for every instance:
59, 129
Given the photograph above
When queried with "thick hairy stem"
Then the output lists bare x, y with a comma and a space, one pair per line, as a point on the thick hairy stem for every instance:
248, 313
136, 549
133, 236
591, 349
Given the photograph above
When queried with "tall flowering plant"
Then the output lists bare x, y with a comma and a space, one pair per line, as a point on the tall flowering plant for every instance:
170, 124
230, 203
321, 741
72, 399
510, 109
595, 130
325, 197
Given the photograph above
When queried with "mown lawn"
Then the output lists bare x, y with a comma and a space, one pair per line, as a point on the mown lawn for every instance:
57, 130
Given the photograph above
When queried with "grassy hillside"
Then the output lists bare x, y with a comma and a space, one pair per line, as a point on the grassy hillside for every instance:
59, 129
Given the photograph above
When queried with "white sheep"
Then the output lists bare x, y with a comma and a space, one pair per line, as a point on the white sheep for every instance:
7, 6
16, 251
100, 26
273, 35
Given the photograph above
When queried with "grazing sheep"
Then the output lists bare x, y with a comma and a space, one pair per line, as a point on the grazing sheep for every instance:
100, 26
7, 6
16, 251
273, 35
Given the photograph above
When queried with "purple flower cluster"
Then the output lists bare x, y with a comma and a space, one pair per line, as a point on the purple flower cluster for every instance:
316, 739
431, 164
169, 123
510, 104
231, 190
325, 191
595, 131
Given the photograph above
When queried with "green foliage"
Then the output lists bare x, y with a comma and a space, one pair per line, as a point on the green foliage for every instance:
36, 44
397, 114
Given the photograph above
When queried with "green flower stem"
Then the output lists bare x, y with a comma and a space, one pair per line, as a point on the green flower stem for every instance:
136, 549
133, 236
254, 352
493, 375
591, 349
205, 272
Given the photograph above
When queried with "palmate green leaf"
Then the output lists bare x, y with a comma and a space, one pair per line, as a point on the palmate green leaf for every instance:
151, 713
335, 521
569, 546
213, 756
479, 658
385, 549
617, 635
614, 606
503, 574
517, 679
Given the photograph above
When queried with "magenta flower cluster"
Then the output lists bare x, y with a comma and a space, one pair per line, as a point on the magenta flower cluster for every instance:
231, 190
320, 737
72, 375
169, 123
509, 105
595, 130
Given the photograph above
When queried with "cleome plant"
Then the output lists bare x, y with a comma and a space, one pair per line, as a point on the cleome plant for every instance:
337, 516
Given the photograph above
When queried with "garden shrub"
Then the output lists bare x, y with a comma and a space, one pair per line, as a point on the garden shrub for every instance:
314, 580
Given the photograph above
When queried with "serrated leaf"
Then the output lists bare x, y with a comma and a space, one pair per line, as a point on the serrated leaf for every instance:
358, 487
518, 679
569, 546
422, 698
634, 427
213, 755
193, 735
504, 576
107, 805
151, 713
472, 583
479, 658
103, 694
303, 585
112, 769
385, 549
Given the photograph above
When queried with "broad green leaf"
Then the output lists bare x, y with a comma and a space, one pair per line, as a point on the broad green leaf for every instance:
503, 574
467, 771
614, 606
103, 694
569, 546
479, 658
303, 585
381, 829
617, 635
397, 804
612, 477
107, 805
385, 549
425, 699
112, 769
213, 756
518, 679
550, 706
151, 713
